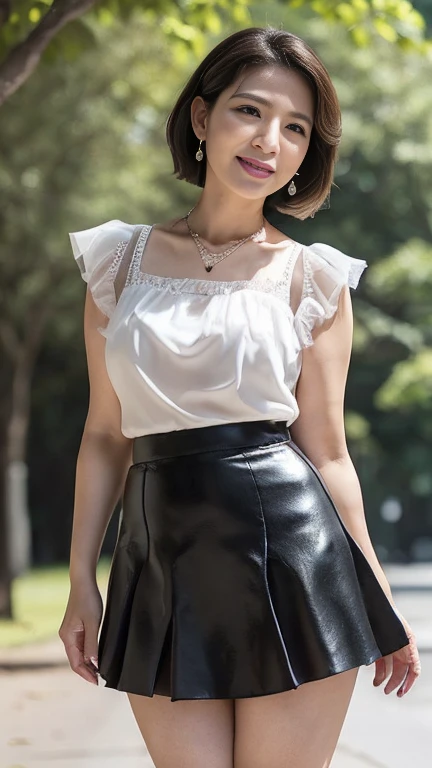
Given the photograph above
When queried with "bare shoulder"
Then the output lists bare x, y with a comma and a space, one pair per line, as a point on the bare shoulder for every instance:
277, 237
172, 230
170, 225
168, 241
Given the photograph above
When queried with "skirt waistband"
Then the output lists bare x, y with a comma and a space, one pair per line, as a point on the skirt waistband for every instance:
211, 438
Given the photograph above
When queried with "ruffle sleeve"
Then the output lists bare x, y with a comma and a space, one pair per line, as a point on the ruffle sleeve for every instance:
98, 252
325, 271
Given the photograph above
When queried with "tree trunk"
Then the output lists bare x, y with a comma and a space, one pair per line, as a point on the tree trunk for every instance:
16, 469
22, 60
14, 515
5, 570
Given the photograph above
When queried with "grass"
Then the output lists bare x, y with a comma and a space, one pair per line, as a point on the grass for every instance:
39, 600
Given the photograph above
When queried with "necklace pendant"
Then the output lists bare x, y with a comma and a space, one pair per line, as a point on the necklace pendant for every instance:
210, 259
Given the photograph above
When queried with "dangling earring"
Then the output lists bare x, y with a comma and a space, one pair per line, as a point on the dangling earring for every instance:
292, 189
199, 155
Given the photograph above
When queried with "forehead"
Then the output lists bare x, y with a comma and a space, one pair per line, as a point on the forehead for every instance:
282, 86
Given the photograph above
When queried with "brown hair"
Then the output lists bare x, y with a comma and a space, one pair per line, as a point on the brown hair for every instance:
263, 46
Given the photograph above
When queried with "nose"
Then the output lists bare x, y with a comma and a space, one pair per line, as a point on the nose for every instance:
268, 139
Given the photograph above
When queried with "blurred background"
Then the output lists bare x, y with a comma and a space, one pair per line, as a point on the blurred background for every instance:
85, 90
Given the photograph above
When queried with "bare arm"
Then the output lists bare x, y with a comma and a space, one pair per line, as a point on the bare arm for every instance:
103, 461
319, 431
103, 458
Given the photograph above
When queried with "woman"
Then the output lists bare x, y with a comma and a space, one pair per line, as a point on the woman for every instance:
244, 592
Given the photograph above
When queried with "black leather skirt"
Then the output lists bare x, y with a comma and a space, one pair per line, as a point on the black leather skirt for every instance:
233, 575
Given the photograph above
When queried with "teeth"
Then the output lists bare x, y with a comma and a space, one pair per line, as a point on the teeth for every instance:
258, 167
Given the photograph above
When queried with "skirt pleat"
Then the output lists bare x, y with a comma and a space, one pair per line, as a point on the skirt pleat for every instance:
234, 576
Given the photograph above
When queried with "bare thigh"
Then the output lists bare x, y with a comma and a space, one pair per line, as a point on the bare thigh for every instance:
186, 734
294, 729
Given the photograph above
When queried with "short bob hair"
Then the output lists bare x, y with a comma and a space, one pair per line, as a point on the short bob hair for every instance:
248, 48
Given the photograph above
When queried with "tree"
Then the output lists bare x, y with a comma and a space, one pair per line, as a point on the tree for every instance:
381, 212
40, 173
32, 28
396, 21
381, 201
29, 29
72, 144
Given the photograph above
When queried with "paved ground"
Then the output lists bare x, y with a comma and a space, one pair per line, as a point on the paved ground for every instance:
50, 718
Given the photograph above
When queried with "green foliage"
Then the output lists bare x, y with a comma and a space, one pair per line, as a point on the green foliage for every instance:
188, 22
185, 23
405, 278
396, 21
409, 387
377, 326
403, 281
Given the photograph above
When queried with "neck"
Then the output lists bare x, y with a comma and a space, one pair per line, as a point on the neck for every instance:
219, 221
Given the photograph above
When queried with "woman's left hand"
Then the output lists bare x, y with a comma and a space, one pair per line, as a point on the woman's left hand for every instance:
403, 666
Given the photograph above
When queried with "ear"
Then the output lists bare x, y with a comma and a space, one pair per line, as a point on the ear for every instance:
199, 117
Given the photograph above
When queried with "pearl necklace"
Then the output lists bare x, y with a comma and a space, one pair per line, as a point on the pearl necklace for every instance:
211, 258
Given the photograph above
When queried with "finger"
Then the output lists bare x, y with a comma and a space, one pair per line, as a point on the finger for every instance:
383, 668
413, 674
91, 645
74, 646
78, 665
400, 670
379, 671
85, 644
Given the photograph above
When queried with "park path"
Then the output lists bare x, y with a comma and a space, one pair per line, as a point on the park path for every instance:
51, 718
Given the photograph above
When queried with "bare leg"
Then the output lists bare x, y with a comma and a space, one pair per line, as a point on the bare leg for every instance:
186, 734
294, 729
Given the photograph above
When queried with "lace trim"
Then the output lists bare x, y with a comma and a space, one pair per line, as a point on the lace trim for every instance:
177, 285
119, 253
216, 287
134, 268
308, 289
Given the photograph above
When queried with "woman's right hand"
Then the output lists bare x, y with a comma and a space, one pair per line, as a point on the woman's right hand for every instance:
80, 627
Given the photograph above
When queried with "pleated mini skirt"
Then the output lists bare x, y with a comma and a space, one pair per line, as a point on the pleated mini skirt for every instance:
233, 574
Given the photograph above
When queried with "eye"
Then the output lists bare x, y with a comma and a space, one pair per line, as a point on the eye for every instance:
254, 109
296, 125
291, 125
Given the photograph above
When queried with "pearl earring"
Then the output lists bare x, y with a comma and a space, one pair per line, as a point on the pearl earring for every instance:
199, 155
292, 189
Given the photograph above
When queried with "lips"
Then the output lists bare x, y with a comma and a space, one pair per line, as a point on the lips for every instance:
254, 171
256, 164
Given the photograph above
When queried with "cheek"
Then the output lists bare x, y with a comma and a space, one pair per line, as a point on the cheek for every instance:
292, 155
297, 147
230, 126
225, 136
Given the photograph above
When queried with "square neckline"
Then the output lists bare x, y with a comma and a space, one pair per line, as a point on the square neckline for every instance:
135, 272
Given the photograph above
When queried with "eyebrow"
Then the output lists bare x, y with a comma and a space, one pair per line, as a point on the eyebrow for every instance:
262, 100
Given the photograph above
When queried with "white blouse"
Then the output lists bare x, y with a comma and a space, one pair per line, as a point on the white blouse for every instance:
185, 352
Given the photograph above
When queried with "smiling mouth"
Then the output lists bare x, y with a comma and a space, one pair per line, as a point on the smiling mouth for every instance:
258, 167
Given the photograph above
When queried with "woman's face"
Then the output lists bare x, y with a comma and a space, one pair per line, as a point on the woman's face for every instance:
266, 116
